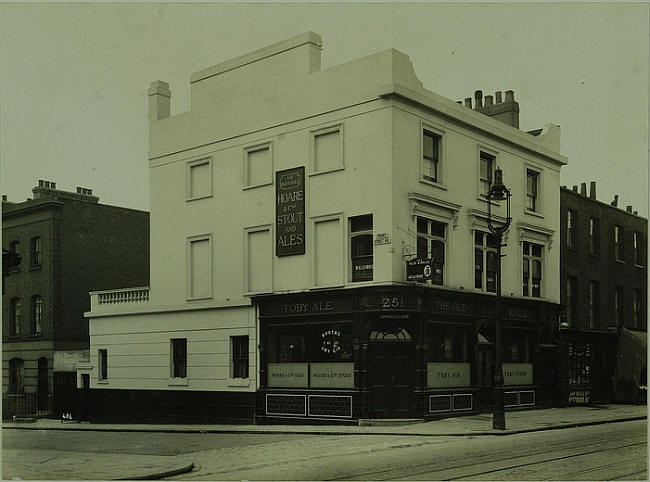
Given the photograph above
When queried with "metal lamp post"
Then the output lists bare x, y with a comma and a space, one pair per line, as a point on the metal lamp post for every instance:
498, 192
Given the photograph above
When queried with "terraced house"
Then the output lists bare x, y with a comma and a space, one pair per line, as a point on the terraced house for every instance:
68, 244
285, 207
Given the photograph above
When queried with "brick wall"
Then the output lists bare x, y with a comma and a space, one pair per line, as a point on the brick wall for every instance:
579, 262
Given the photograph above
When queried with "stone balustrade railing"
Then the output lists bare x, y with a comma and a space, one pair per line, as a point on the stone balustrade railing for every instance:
107, 298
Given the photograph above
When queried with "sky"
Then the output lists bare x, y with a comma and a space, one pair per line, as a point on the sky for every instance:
74, 77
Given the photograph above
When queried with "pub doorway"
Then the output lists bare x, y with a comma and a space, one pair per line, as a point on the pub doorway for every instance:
391, 357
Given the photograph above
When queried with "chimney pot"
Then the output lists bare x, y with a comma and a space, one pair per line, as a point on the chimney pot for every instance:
47, 183
510, 95
498, 95
583, 188
4, 197
459, 102
53, 185
41, 183
488, 100
468, 102
636, 213
78, 190
90, 192
478, 97
628, 209
575, 188
592, 190
615, 201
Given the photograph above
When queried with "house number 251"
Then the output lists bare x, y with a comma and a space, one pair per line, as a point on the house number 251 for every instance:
394, 302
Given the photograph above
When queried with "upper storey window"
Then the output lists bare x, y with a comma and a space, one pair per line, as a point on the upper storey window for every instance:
485, 261
258, 165
532, 272
36, 254
431, 149
532, 187
431, 244
361, 247
199, 179
571, 228
618, 243
486, 167
637, 249
594, 243
327, 149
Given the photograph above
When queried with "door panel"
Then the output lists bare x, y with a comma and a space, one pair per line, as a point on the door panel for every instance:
392, 376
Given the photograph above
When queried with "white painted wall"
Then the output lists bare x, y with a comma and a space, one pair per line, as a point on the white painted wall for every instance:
279, 97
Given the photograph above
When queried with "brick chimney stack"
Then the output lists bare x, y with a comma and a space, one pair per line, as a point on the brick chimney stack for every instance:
583, 188
159, 100
615, 201
592, 190
628, 209
505, 111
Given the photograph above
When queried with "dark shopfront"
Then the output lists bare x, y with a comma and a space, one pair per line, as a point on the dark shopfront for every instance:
400, 352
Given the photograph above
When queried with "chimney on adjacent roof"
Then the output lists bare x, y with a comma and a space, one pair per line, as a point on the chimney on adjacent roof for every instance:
583, 188
4, 198
478, 99
159, 100
505, 111
44, 189
575, 188
592, 190
84, 191
615, 201
628, 209
636, 213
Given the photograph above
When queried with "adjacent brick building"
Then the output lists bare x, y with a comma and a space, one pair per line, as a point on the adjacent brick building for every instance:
69, 244
604, 294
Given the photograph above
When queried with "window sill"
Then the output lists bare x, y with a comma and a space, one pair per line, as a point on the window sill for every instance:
534, 213
326, 171
37, 267
195, 198
428, 182
239, 382
639, 266
177, 382
201, 298
620, 261
253, 186
484, 199
102, 382
36, 335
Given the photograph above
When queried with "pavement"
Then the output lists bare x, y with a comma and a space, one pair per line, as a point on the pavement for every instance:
82, 465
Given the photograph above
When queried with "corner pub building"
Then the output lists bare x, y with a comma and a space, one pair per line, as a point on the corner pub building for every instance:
285, 207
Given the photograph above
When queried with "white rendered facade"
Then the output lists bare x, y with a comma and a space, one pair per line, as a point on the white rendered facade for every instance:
357, 128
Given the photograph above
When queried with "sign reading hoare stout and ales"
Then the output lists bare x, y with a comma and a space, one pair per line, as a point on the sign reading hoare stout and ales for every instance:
290, 212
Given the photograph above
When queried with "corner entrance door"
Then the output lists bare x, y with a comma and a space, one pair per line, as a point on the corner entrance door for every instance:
392, 378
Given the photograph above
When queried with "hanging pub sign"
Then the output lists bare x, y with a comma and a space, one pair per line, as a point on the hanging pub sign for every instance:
418, 269
290, 212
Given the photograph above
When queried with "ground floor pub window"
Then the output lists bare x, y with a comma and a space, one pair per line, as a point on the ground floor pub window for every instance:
517, 366
448, 362
316, 355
